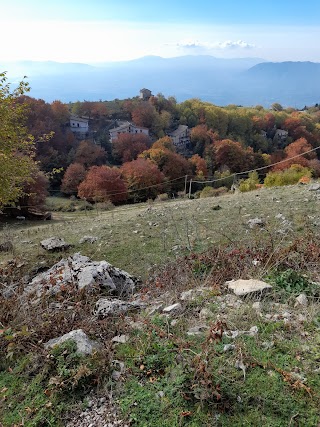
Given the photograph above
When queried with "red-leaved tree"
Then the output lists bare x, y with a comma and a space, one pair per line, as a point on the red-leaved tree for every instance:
101, 184
128, 146
143, 178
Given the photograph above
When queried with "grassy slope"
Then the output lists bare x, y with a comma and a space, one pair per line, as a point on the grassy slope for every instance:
186, 371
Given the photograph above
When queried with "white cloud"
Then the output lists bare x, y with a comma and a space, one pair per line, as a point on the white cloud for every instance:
239, 44
195, 45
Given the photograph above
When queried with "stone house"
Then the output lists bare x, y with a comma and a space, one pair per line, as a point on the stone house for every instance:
280, 137
79, 126
181, 137
127, 127
145, 94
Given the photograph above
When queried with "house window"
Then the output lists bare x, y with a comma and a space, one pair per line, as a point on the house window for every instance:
140, 130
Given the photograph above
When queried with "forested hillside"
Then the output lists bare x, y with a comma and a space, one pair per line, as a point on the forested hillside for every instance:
223, 141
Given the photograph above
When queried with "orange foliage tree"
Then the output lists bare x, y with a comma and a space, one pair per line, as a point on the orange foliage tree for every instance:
297, 148
128, 146
199, 166
143, 178
101, 184
89, 154
73, 176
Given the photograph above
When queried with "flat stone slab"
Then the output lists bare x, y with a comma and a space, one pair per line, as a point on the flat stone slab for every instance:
246, 287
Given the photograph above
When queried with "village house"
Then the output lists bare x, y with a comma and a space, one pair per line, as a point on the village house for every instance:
280, 136
145, 94
127, 127
181, 137
79, 125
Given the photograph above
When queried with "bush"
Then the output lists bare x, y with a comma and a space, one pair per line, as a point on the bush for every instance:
162, 197
287, 177
104, 206
212, 192
250, 183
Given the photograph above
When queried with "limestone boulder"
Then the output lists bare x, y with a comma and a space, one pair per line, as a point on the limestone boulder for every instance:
83, 273
54, 244
85, 346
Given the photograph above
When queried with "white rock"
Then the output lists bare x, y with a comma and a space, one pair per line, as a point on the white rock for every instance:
54, 244
302, 299
84, 344
228, 347
120, 339
174, 308
88, 239
197, 330
245, 287
314, 187
256, 305
193, 294
256, 222
81, 271
105, 307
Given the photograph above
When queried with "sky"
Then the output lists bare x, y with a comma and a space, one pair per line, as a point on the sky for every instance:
92, 31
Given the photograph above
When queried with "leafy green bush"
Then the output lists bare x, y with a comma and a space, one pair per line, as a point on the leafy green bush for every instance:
293, 282
250, 183
287, 177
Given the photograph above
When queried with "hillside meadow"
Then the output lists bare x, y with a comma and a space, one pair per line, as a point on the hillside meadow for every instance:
220, 360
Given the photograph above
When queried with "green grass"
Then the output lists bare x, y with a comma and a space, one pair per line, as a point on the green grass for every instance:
173, 379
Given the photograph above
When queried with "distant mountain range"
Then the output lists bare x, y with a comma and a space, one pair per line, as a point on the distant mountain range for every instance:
241, 81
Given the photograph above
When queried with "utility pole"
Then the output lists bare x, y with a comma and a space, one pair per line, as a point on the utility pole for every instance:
190, 184
185, 185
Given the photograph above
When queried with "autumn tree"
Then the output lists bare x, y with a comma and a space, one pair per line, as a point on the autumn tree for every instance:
60, 112
103, 183
231, 154
144, 115
89, 154
199, 166
164, 143
143, 178
16, 146
128, 146
200, 137
297, 148
73, 176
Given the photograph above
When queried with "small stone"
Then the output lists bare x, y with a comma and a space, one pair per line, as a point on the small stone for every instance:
314, 187
120, 339
228, 347
256, 222
197, 330
174, 322
88, 239
253, 331
301, 299
172, 309
256, 305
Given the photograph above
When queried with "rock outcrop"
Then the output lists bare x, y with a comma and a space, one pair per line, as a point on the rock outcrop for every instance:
83, 273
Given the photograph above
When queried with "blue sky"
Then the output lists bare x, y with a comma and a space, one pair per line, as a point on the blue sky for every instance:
102, 30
